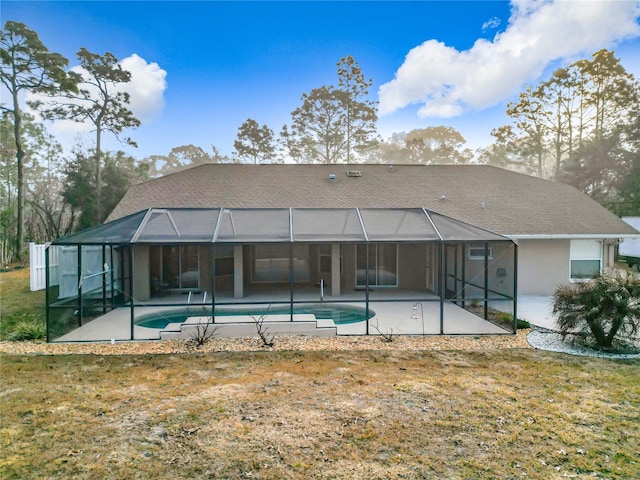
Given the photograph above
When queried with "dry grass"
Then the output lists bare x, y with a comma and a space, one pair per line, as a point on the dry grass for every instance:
356, 415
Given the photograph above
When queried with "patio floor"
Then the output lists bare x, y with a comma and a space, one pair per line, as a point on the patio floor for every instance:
397, 317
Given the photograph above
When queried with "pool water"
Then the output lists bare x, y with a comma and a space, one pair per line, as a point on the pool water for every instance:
340, 314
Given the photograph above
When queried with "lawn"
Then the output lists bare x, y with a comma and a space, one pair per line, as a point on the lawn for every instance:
17, 303
500, 414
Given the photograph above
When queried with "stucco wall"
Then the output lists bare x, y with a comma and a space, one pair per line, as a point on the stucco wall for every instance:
542, 266
411, 266
141, 280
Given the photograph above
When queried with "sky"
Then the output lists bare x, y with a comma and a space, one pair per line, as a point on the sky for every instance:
200, 69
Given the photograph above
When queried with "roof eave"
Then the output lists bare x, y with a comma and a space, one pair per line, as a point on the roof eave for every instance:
576, 236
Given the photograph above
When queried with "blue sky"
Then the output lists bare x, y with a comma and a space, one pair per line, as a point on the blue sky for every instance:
202, 68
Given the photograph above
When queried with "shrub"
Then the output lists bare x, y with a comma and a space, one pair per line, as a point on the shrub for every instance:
262, 331
27, 330
603, 307
507, 319
203, 333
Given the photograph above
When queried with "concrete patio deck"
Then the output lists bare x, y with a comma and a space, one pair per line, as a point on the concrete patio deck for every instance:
398, 318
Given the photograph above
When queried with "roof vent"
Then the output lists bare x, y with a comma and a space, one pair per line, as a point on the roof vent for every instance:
354, 173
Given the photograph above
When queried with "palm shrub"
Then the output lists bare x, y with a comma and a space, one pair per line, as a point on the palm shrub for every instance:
29, 329
604, 307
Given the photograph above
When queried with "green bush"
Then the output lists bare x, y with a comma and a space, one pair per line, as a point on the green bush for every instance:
507, 319
27, 330
600, 308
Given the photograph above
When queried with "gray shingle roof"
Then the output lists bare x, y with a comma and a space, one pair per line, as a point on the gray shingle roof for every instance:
498, 200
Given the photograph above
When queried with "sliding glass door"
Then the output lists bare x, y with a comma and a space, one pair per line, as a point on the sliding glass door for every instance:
175, 267
383, 265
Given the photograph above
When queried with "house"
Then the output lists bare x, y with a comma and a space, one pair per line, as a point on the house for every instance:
463, 239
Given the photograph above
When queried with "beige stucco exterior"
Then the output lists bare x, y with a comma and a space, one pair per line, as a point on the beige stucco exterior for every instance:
542, 265
141, 280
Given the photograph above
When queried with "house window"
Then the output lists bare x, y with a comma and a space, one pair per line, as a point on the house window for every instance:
383, 265
324, 259
271, 263
586, 259
175, 267
477, 251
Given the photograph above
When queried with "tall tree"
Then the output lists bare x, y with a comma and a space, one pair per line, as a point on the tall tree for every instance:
255, 143
27, 66
580, 110
318, 126
98, 102
45, 215
333, 124
361, 113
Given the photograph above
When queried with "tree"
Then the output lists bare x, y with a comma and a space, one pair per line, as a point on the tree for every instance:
255, 143
318, 126
503, 154
580, 108
98, 102
333, 124
628, 201
603, 307
436, 145
426, 146
27, 66
119, 173
184, 156
361, 113
45, 215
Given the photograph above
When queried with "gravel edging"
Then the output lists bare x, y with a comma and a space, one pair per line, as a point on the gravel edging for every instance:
550, 340
282, 343
537, 338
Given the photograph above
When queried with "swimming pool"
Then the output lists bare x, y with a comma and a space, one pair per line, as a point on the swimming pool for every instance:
340, 314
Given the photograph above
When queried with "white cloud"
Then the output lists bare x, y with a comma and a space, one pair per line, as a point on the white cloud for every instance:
491, 24
146, 94
146, 88
448, 82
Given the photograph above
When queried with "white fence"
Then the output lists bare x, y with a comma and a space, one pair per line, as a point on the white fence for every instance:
38, 268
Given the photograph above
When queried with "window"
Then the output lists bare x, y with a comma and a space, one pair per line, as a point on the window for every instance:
324, 259
477, 251
175, 267
271, 263
586, 259
383, 265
